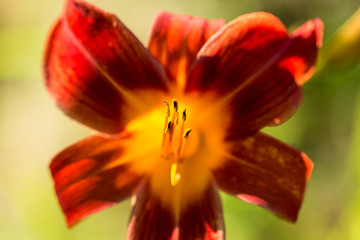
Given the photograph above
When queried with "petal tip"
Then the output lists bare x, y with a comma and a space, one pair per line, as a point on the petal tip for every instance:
319, 31
252, 199
314, 27
69, 221
309, 165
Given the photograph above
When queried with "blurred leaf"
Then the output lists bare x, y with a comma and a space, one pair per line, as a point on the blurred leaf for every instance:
343, 49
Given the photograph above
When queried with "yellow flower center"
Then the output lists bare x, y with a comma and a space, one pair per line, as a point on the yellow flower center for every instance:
178, 146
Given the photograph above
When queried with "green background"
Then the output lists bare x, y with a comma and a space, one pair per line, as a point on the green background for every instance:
32, 129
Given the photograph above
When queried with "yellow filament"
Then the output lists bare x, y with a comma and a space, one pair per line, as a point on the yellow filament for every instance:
175, 116
182, 132
167, 115
183, 143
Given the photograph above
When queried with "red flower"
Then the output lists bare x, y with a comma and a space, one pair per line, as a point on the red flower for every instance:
232, 79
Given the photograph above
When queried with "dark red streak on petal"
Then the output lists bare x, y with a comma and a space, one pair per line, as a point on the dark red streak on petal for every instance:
84, 180
150, 219
97, 192
266, 101
92, 65
77, 87
255, 67
266, 172
200, 220
249, 46
113, 46
178, 37
238, 53
87, 156
203, 219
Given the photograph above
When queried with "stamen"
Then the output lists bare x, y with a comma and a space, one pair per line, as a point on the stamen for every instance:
168, 139
169, 127
176, 106
182, 132
175, 117
183, 144
168, 133
176, 121
186, 134
167, 115
167, 108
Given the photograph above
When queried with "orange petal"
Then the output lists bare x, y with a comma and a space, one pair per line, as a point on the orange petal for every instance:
176, 39
89, 177
94, 66
266, 172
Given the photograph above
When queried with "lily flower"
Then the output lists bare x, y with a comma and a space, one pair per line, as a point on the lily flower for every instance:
178, 121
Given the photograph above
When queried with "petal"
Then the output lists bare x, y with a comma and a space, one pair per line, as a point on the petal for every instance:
150, 219
95, 67
244, 49
201, 219
255, 67
266, 102
266, 172
302, 54
89, 177
176, 39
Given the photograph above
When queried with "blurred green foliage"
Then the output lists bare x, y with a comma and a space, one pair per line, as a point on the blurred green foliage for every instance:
32, 130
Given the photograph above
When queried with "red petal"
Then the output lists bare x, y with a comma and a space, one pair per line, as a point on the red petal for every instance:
93, 64
200, 220
150, 219
254, 66
203, 219
176, 39
247, 47
88, 178
301, 56
266, 172
268, 101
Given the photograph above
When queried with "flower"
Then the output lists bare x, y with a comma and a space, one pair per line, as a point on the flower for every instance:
177, 121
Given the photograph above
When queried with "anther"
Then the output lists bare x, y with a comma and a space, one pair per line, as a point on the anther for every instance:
167, 108
176, 106
186, 134
182, 145
184, 115
169, 127
165, 124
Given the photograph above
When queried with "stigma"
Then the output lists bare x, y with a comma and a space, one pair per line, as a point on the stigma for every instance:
173, 149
